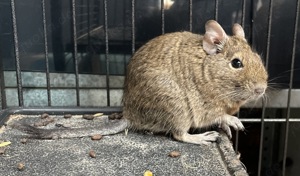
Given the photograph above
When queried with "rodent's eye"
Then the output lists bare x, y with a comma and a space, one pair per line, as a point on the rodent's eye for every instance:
236, 63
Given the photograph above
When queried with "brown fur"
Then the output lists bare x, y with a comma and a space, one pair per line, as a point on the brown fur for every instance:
173, 85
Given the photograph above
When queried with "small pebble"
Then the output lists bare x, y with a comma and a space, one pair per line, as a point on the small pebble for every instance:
24, 140
88, 117
174, 154
44, 116
67, 116
2, 150
44, 122
96, 137
114, 116
21, 166
92, 154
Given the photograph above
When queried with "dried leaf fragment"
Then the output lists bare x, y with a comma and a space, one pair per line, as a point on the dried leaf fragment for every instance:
2, 144
148, 173
98, 114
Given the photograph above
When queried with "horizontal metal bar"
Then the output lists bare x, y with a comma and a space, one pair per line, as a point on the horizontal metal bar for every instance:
270, 120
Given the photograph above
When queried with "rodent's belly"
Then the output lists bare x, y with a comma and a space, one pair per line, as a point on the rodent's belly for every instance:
204, 111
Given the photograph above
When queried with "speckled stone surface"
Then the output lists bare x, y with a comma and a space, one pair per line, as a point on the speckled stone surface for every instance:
120, 154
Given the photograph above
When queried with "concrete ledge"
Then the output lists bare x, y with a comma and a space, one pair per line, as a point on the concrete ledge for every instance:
120, 154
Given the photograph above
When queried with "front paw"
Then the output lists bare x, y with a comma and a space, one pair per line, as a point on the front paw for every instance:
233, 122
226, 128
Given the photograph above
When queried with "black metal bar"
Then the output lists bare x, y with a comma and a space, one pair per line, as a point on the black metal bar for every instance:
133, 25
106, 53
191, 15
17, 54
46, 53
236, 147
238, 115
272, 120
244, 13
89, 24
262, 130
237, 136
3, 104
216, 9
162, 16
263, 103
290, 89
75, 51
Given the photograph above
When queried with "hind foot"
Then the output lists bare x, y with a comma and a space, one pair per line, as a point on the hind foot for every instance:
202, 138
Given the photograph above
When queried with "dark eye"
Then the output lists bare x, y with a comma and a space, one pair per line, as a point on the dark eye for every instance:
236, 63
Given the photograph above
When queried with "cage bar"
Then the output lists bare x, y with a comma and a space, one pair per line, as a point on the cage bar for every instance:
46, 53
132, 26
191, 15
290, 89
216, 9
263, 102
243, 13
162, 16
17, 54
106, 52
75, 51
279, 120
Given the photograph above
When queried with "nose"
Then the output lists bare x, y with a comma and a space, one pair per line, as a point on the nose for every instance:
260, 89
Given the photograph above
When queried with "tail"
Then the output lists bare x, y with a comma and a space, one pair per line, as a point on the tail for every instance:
111, 127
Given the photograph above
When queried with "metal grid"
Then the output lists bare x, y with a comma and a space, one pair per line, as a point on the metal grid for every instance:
261, 120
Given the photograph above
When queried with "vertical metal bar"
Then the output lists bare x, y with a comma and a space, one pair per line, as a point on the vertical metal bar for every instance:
216, 9
238, 115
46, 53
269, 32
236, 147
244, 13
263, 103
290, 89
162, 16
2, 87
89, 24
191, 15
17, 54
75, 51
133, 25
262, 128
237, 137
106, 53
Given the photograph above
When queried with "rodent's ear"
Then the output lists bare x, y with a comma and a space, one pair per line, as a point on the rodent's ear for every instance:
214, 37
237, 30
